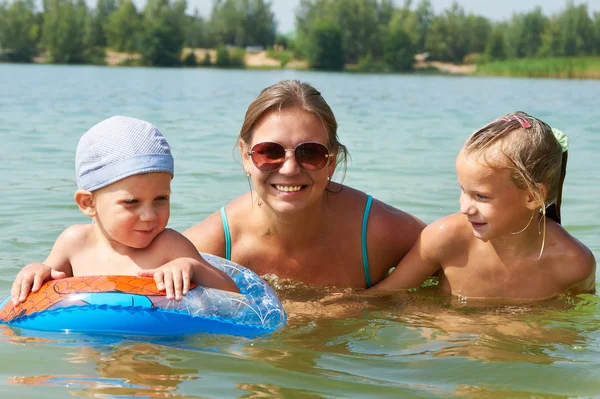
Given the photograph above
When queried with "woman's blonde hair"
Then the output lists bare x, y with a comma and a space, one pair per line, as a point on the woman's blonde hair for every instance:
534, 155
289, 94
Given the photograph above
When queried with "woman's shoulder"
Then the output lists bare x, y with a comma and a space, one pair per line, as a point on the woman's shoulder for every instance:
208, 235
390, 232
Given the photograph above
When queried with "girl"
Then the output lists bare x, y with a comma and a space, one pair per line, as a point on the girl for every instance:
507, 241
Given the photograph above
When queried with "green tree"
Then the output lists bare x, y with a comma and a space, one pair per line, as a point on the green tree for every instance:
577, 30
478, 32
206, 61
423, 19
448, 38
64, 30
226, 22
98, 21
551, 41
190, 59
530, 38
197, 34
223, 59
326, 48
123, 29
259, 25
163, 32
398, 49
495, 48
360, 28
243, 22
19, 30
597, 32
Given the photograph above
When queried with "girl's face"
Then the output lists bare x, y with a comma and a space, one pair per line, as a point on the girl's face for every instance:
490, 200
133, 211
290, 188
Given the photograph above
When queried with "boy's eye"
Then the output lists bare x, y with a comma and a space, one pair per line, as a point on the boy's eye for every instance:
130, 201
482, 197
162, 198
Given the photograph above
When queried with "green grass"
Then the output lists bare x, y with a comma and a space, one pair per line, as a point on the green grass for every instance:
567, 67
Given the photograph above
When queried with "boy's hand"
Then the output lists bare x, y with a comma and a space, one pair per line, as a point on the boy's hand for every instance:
173, 277
30, 279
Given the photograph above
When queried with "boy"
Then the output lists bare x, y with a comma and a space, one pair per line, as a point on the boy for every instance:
124, 170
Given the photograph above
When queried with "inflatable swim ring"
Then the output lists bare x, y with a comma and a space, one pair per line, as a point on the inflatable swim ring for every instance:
133, 306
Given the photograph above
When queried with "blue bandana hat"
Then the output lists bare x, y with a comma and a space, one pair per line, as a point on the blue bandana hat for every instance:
120, 147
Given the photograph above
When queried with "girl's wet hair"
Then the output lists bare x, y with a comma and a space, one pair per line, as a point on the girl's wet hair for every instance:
290, 94
534, 156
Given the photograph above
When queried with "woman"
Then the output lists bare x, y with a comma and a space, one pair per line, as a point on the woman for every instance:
296, 223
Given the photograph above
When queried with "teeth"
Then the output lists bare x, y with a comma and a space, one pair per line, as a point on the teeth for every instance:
288, 188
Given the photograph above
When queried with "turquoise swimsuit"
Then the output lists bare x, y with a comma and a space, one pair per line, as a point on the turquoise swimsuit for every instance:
365, 221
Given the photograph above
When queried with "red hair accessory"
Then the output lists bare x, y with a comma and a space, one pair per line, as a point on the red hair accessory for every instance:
514, 117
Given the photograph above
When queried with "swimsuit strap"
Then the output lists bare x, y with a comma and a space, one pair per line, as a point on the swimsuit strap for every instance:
365, 255
227, 234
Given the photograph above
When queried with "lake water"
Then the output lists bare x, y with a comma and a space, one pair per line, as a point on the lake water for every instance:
403, 132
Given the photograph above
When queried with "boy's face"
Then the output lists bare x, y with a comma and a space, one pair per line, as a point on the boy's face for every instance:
133, 211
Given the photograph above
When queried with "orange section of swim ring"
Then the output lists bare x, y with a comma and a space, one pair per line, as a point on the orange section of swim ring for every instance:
55, 291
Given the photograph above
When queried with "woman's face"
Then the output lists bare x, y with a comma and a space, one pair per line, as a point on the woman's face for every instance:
290, 188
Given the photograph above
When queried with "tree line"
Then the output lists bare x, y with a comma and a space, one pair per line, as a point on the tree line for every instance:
329, 34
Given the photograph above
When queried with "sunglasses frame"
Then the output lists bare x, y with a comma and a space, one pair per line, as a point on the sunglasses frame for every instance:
327, 156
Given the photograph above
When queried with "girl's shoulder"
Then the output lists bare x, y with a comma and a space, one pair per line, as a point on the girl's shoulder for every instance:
447, 236
573, 262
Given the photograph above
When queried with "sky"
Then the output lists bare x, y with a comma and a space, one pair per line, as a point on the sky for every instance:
493, 9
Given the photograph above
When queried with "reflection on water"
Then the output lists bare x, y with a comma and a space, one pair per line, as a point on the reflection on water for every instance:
140, 370
334, 337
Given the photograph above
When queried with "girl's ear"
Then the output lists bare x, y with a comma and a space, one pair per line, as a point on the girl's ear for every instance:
85, 201
535, 200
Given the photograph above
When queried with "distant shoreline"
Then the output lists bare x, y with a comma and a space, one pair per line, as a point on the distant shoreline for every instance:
553, 68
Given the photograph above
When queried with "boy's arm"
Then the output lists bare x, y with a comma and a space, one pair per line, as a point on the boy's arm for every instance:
57, 265
184, 265
418, 264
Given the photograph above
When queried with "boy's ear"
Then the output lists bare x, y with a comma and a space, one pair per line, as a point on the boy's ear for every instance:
85, 201
535, 199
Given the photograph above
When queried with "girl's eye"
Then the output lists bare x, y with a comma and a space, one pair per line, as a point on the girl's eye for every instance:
162, 198
482, 197
130, 201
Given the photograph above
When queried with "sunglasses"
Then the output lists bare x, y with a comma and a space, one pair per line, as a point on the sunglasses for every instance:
310, 157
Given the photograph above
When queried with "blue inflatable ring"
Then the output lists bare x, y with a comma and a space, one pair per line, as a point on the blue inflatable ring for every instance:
133, 306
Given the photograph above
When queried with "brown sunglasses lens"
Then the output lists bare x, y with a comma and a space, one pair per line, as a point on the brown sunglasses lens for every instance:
268, 157
311, 156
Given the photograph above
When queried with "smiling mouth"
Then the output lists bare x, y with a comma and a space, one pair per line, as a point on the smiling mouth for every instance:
477, 224
288, 189
145, 231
